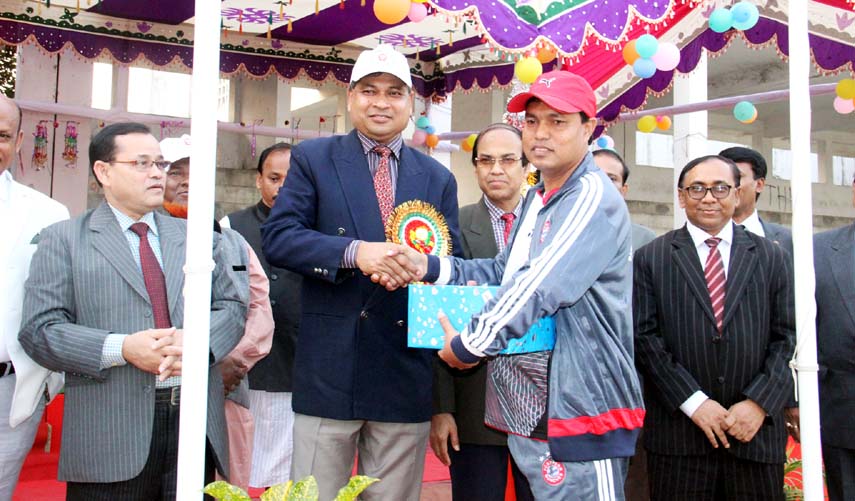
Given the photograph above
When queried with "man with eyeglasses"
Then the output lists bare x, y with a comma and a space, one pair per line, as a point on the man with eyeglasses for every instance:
24, 212
104, 305
714, 329
479, 456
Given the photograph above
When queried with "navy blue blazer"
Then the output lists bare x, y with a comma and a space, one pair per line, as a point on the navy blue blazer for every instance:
352, 359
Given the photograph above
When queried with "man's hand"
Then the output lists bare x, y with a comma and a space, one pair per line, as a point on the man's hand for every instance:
442, 429
711, 418
791, 417
171, 346
446, 353
139, 349
233, 372
744, 420
387, 264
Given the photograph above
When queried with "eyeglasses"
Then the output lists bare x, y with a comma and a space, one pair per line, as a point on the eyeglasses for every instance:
503, 161
143, 165
698, 192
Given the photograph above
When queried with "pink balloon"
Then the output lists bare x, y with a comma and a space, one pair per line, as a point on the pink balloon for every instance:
844, 106
667, 57
418, 11
419, 137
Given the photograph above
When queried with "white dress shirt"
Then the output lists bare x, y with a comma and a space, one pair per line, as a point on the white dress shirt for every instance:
752, 223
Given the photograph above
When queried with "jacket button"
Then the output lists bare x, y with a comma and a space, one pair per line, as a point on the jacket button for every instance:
326, 272
340, 231
147, 313
720, 380
399, 323
716, 339
272, 302
363, 314
274, 276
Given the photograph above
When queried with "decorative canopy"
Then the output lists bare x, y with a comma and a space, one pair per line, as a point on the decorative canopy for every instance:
460, 45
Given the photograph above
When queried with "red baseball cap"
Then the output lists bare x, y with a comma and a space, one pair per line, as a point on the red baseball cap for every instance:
562, 91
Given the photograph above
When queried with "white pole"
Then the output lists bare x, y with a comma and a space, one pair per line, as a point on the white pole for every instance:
197, 270
690, 129
806, 366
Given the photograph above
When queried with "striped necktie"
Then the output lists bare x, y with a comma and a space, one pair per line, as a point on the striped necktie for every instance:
155, 283
714, 274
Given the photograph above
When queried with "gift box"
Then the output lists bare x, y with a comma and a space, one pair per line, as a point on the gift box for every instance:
459, 303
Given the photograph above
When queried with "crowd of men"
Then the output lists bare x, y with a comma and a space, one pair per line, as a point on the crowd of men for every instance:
686, 336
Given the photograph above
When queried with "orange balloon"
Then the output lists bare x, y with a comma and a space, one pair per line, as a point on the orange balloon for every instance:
432, 140
391, 11
630, 55
664, 123
466, 146
546, 54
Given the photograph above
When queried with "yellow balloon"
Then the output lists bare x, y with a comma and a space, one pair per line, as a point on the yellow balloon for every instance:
647, 123
391, 11
846, 88
528, 69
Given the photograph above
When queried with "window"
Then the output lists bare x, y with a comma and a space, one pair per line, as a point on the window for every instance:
843, 169
782, 164
102, 86
657, 150
167, 93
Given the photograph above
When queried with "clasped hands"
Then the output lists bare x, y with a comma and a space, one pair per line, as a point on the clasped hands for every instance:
741, 421
390, 265
157, 351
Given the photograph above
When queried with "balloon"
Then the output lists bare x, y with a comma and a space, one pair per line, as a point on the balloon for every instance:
663, 122
546, 54
418, 12
466, 146
419, 137
845, 88
667, 57
753, 118
430, 129
745, 15
646, 45
432, 140
744, 111
843, 106
644, 68
391, 11
422, 122
528, 69
721, 20
471, 139
610, 141
629, 53
647, 123
602, 142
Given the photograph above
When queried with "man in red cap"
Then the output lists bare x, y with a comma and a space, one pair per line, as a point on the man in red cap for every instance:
573, 413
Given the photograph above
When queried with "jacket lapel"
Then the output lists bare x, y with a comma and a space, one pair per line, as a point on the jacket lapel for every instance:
172, 249
351, 166
841, 257
685, 257
108, 239
482, 228
743, 260
410, 178
14, 225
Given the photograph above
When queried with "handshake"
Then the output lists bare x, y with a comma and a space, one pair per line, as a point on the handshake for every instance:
391, 265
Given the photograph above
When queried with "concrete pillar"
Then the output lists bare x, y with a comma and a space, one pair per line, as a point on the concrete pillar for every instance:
690, 130
440, 117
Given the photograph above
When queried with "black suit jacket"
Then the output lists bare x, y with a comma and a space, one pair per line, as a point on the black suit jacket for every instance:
679, 351
462, 392
778, 234
834, 256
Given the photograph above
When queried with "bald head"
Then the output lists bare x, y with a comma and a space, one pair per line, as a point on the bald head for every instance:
9, 108
11, 136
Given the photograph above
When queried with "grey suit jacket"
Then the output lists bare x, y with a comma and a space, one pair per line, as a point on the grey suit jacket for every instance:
84, 285
781, 235
834, 257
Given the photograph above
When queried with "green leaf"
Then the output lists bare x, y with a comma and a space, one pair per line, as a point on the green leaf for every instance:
354, 487
278, 492
305, 490
225, 491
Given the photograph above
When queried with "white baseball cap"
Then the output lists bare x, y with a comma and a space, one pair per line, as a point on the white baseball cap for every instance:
381, 59
176, 148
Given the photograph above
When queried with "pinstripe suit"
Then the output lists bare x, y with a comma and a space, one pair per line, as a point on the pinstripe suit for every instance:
679, 352
83, 285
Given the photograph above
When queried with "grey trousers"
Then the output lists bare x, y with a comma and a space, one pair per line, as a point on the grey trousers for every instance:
392, 452
15, 443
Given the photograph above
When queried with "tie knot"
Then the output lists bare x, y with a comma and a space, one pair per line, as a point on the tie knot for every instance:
382, 150
712, 243
508, 217
140, 229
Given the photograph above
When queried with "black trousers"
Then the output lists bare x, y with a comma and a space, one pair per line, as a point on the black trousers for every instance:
480, 473
158, 478
839, 472
717, 476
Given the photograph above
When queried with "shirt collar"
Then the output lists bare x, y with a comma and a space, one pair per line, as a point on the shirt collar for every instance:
368, 144
126, 221
5, 186
496, 213
700, 236
752, 223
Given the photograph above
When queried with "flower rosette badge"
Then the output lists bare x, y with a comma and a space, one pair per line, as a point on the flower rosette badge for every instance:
420, 226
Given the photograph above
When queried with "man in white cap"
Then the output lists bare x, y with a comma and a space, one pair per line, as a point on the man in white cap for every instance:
357, 387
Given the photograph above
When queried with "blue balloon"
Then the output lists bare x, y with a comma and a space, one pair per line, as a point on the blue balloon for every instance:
644, 68
430, 129
745, 15
646, 46
422, 122
602, 142
721, 20
743, 111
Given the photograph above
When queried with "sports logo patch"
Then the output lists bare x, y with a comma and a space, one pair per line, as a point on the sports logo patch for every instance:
547, 225
553, 472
